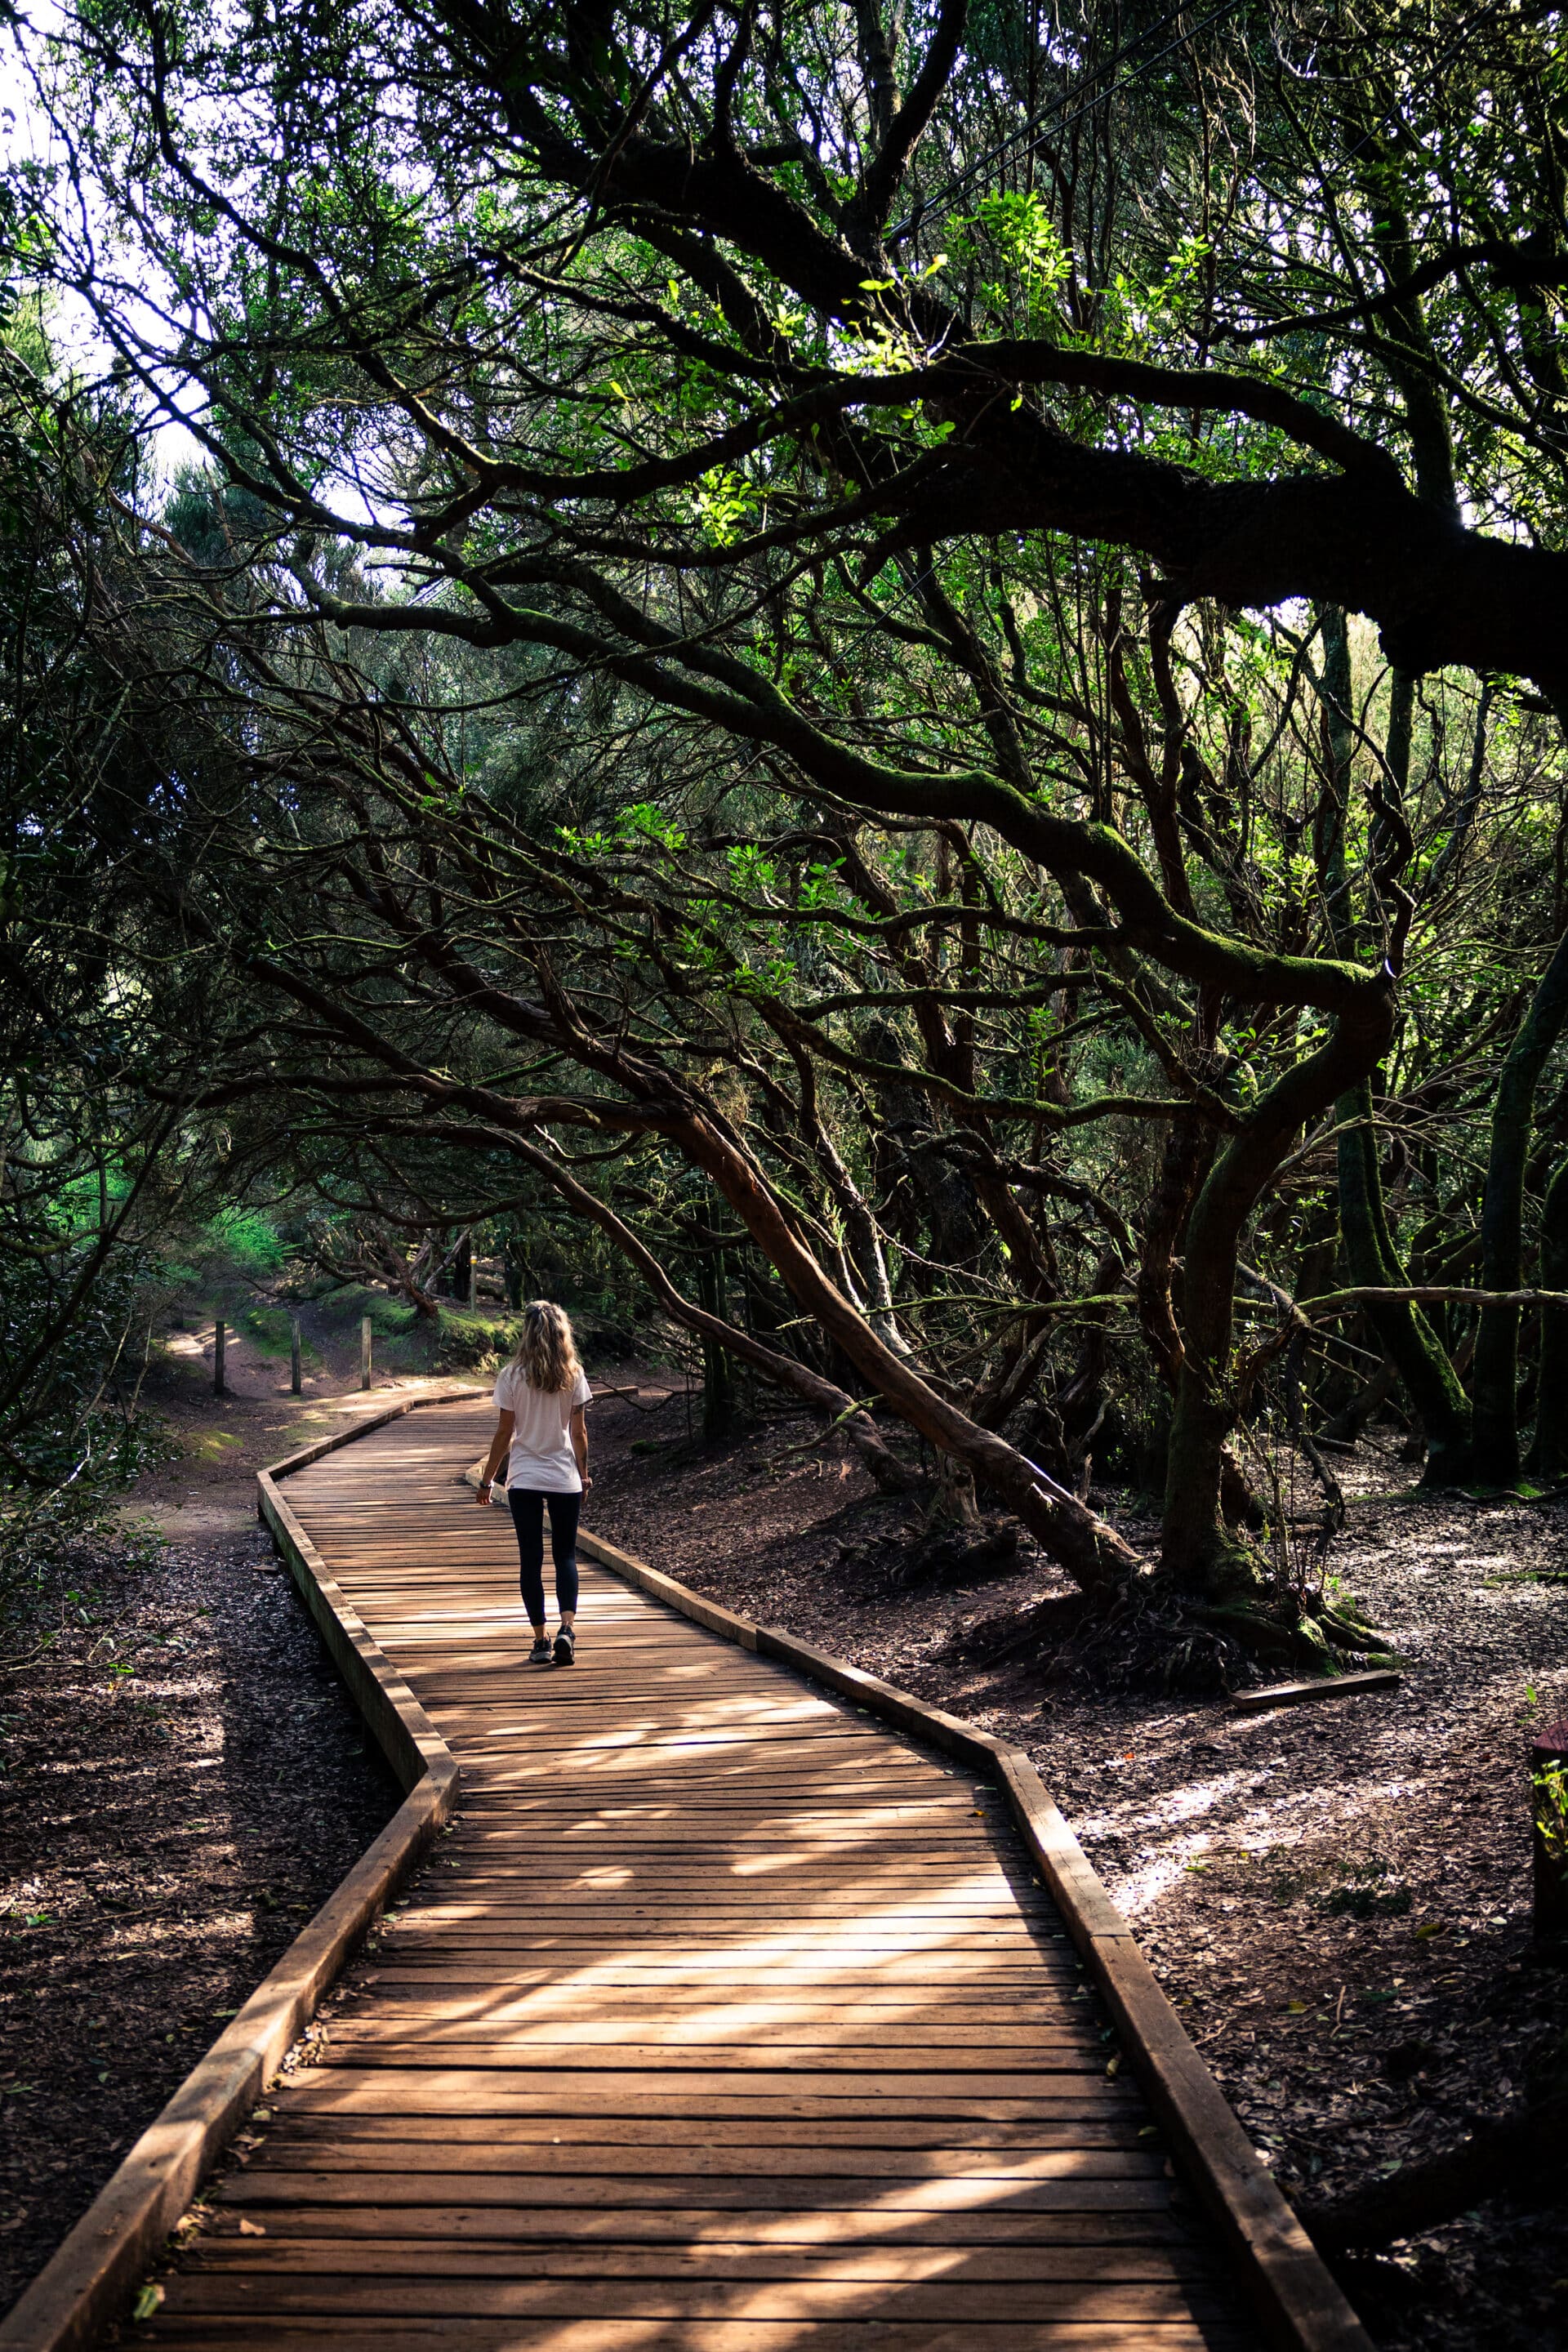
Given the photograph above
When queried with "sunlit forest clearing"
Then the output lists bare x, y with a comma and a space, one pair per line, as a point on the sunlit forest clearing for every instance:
880, 694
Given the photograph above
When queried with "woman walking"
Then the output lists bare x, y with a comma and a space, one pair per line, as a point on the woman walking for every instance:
541, 1399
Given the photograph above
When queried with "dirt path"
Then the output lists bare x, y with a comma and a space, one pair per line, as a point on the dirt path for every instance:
209, 1488
1337, 1897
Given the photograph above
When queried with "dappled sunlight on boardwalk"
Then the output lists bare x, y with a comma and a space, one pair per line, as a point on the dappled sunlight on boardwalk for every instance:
724, 2018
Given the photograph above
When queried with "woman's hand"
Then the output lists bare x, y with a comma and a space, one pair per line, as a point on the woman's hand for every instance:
587, 1482
500, 1443
497, 1455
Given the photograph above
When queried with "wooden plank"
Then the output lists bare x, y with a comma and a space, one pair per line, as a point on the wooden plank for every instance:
490, 1858
903, 1976
251, 2333
687, 2232
475, 2091
1092, 2124
684, 2040
600, 1977
471, 2258
637, 2006
660, 2065
461, 2295
1258, 1702
723, 1916
487, 1879
761, 2158
722, 1909
256, 2189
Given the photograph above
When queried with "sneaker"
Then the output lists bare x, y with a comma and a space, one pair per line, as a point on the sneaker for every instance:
540, 1654
565, 1647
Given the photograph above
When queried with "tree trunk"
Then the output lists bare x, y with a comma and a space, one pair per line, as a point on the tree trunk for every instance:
1495, 1428
1200, 1552
1370, 1254
1185, 1161
461, 1282
1418, 1355
718, 1381
1552, 1412
1094, 1555
953, 1508
1333, 801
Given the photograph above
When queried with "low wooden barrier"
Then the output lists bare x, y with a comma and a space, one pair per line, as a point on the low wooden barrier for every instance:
87, 2284
1296, 2298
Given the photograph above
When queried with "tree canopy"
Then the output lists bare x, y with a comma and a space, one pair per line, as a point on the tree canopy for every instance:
912, 660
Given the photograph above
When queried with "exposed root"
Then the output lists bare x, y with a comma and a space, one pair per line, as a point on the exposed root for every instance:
1289, 1627
1153, 1636
941, 1557
1145, 1639
1523, 2153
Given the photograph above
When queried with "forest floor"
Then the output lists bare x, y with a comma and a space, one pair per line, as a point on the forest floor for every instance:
1336, 1898
149, 1875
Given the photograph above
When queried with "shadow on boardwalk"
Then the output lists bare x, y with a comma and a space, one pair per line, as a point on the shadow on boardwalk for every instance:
724, 2017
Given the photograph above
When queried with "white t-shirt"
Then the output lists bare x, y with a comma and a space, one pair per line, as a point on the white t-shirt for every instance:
541, 1455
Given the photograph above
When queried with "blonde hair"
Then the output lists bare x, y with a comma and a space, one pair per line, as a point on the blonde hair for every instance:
546, 1352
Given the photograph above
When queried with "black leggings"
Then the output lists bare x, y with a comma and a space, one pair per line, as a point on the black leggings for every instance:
528, 1518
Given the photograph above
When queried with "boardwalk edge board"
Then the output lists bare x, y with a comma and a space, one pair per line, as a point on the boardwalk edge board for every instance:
84, 2287
1299, 2301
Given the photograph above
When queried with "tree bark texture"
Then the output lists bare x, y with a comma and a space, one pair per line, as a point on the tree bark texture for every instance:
1200, 1553
1495, 1432
1550, 1459
1419, 1357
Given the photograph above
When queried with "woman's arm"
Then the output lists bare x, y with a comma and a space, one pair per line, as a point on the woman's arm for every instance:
580, 1442
500, 1443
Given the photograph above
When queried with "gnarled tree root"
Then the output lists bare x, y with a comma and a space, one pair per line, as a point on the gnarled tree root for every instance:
1152, 1635
1298, 1629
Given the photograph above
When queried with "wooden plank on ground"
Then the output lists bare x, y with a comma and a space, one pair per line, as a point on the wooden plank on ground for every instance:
1258, 1702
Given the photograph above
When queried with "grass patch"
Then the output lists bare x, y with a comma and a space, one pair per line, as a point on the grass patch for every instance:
456, 1339
390, 1318
475, 1337
269, 1331
215, 1444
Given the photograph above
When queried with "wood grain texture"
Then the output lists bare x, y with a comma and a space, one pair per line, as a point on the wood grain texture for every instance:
1258, 1702
731, 2013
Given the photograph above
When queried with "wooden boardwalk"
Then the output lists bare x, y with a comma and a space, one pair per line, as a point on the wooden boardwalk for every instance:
724, 2018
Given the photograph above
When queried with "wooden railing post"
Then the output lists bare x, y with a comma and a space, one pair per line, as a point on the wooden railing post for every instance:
218, 1336
365, 1351
295, 1384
